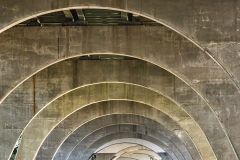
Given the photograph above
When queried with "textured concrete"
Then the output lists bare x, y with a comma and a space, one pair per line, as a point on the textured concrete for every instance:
213, 24
66, 42
106, 152
69, 124
165, 156
65, 105
138, 154
113, 136
127, 159
62, 77
104, 156
133, 149
202, 21
118, 145
194, 66
90, 139
209, 26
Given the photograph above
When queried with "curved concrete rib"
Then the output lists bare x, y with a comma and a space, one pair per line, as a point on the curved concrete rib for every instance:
65, 105
194, 67
186, 23
144, 155
108, 119
130, 142
67, 75
116, 146
167, 138
89, 150
139, 154
92, 138
47, 149
107, 150
127, 159
133, 149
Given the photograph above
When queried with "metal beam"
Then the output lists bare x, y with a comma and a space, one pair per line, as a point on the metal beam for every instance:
68, 15
74, 14
81, 15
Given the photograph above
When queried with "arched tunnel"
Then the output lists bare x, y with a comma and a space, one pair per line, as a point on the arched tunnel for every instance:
119, 80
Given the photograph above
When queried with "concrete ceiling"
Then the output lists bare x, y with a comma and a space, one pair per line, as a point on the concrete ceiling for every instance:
53, 72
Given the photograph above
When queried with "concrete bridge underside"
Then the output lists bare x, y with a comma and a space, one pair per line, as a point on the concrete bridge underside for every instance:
179, 91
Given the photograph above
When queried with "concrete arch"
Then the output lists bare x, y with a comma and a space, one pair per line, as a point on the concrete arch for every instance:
147, 152
118, 135
134, 148
151, 9
186, 69
232, 130
141, 155
99, 134
76, 136
39, 61
127, 159
122, 144
48, 87
73, 138
83, 96
126, 141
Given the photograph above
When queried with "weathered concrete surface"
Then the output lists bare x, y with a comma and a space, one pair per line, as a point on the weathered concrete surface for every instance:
194, 67
104, 156
135, 149
94, 137
65, 105
108, 151
118, 145
98, 134
110, 137
205, 21
75, 137
66, 77
200, 20
195, 19
69, 125
107, 156
62, 77
139, 154
165, 156
39, 50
